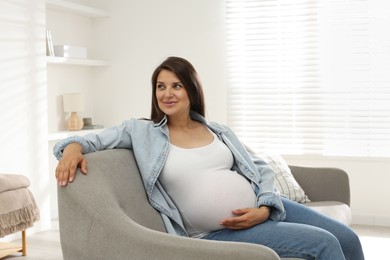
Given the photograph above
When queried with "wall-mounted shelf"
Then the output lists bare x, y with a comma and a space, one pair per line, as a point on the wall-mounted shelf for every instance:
78, 9
81, 62
55, 136
70, 7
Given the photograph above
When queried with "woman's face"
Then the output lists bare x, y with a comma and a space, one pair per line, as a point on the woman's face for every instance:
171, 95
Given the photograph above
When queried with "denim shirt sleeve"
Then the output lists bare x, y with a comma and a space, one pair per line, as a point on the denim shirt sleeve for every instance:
268, 195
114, 137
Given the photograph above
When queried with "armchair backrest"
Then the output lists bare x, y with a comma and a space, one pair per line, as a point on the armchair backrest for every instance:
323, 183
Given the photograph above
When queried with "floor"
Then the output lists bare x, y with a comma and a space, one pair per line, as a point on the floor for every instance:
375, 241
46, 245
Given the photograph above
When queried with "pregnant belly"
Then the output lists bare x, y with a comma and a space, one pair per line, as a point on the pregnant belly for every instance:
209, 201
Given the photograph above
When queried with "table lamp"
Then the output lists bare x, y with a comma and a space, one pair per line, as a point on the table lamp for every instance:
73, 103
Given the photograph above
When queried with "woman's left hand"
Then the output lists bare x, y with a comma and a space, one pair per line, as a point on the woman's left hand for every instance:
247, 218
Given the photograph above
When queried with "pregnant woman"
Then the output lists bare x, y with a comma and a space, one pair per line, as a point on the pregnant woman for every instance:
203, 181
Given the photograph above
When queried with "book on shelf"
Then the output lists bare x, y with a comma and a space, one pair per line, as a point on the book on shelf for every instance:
49, 44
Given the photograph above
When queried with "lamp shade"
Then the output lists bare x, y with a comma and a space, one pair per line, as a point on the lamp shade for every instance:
73, 102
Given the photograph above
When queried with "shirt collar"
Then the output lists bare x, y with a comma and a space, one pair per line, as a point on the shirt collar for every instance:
163, 122
195, 116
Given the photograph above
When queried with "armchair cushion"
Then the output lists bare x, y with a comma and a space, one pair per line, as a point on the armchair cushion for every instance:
334, 209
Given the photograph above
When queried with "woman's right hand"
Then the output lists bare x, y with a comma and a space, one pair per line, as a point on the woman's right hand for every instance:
72, 158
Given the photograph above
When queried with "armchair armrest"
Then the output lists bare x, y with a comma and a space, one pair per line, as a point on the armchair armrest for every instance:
323, 184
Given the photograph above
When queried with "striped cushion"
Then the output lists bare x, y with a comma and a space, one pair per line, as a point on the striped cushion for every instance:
284, 180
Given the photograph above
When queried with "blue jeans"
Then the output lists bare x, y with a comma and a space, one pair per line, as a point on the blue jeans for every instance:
304, 233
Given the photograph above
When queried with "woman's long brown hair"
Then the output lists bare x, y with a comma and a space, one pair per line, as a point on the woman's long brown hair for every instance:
190, 80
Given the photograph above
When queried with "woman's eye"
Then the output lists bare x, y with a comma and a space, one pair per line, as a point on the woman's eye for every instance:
177, 86
160, 86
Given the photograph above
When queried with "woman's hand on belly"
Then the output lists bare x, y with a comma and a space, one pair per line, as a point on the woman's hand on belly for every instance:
247, 218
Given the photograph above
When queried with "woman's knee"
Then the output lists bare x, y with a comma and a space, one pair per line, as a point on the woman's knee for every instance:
329, 246
330, 240
314, 243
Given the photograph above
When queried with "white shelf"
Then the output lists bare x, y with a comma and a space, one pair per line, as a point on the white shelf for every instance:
71, 61
70, 7
55, 136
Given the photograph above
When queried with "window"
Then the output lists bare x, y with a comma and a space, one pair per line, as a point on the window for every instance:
310, 76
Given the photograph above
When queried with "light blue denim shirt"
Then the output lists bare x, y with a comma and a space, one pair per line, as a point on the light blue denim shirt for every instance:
150, 144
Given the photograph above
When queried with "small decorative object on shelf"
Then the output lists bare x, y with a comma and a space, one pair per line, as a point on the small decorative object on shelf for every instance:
70, 51
87, 121
73, 103
88, 124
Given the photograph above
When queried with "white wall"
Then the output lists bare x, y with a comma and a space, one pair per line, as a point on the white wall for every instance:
23, 107
141, 34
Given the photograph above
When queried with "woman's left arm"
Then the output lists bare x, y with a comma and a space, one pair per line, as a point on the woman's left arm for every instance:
260, 173
269, 205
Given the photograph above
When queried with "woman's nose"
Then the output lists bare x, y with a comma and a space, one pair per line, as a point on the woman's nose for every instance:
168, 92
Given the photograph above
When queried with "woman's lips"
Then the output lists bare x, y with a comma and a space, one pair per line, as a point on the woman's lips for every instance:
169, 103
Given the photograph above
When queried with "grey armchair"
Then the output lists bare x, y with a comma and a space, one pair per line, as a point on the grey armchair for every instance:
106, 215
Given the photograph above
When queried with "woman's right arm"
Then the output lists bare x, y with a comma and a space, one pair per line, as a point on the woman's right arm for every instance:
70, 151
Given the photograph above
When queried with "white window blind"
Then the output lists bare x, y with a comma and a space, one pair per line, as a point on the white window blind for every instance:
310, 76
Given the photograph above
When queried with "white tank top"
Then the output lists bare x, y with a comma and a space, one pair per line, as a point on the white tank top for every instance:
203, 186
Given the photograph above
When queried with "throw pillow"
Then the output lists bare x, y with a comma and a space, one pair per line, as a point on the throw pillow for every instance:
284, 180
